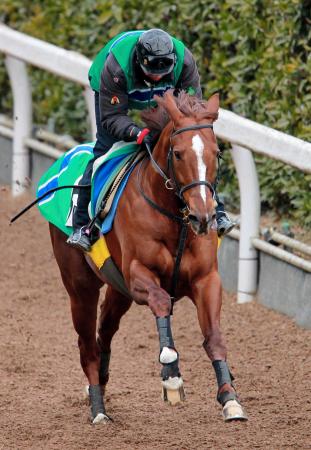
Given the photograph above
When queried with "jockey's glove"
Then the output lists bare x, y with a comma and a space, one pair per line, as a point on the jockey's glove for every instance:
147, 137
142, 135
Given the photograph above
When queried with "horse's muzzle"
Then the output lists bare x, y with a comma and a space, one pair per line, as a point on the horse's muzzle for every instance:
202, 224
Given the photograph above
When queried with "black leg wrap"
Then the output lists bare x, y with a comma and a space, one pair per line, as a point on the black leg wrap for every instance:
224, 376
222, 371
165, 332
170, 370
104, 367
224, 397
96, 400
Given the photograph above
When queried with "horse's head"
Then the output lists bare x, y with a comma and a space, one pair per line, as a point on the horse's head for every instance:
192, 155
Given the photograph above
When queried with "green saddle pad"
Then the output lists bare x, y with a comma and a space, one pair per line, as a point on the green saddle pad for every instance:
57, 207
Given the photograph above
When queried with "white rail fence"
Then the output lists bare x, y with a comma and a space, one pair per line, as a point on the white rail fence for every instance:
244, 135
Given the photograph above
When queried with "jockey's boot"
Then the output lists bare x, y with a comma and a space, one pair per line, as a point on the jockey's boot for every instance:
80, 239
224, 223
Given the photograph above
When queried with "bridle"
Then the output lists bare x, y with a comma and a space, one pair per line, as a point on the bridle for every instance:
171, 182
170, 165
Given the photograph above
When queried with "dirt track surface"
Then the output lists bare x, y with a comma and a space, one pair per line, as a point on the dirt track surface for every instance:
41, 405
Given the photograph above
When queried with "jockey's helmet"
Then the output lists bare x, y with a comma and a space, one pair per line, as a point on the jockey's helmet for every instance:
155, 52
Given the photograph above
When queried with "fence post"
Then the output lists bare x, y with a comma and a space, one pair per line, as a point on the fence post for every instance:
22, 123
249, 226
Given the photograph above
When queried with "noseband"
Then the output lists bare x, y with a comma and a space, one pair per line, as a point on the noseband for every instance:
170, 165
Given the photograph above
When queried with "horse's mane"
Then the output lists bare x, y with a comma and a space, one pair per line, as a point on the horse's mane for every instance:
191, 106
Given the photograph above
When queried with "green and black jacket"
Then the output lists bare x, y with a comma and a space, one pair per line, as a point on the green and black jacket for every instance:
122, 85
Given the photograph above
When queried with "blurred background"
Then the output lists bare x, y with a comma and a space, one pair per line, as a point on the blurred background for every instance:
256, 53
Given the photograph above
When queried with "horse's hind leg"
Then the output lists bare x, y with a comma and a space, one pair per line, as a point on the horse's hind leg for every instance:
83, 288
207, 297
113, 308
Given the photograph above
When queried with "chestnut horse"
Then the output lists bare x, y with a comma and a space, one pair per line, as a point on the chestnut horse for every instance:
170, 190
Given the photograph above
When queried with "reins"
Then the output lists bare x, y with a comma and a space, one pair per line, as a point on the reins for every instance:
179, 191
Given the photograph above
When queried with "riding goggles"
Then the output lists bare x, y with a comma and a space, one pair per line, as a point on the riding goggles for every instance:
161, 65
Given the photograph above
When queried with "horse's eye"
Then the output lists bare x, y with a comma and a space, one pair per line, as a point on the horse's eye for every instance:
177, 155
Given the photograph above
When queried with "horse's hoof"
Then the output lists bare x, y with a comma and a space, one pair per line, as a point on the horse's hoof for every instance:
233, 411
173, 391
101, 417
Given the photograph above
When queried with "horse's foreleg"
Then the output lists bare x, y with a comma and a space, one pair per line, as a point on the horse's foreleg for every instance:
172, 382
207, 297
112, 309
146, 289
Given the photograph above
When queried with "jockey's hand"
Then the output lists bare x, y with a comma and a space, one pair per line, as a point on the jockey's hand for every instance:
147, 137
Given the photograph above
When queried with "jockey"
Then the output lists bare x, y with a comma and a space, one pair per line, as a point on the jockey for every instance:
126, 74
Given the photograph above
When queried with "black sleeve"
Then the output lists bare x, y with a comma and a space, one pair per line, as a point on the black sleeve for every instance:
189, 78
113, 102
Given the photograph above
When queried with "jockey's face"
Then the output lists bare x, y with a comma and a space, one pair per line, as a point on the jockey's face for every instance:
154, 77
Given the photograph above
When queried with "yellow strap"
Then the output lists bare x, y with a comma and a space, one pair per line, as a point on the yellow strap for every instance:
99, 252
219, 242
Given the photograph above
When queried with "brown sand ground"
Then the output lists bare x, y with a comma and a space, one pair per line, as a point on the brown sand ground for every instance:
41, 405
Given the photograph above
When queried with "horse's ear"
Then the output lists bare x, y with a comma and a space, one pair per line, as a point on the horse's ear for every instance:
169, 104
212, 104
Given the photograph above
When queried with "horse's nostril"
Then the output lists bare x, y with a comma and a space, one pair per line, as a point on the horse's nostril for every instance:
193, 219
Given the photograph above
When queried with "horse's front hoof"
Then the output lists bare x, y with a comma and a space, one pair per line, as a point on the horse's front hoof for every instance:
173, 391
101, 417
233, 411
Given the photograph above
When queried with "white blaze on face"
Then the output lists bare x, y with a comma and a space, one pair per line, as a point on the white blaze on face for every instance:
198, 147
